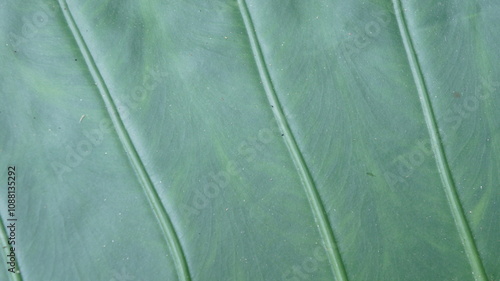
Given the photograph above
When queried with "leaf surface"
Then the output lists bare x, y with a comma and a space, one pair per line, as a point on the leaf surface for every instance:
251, 140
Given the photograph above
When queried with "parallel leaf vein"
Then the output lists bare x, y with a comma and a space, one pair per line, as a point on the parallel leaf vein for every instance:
438, 149
311, 191
134, 158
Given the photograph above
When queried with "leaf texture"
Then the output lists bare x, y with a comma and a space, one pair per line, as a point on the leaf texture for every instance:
251, 139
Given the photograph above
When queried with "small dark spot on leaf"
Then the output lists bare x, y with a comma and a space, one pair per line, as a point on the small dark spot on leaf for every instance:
457, 95
282, 134
370, 174
76, 59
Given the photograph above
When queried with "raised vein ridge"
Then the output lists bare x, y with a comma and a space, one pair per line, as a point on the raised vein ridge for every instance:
442, 163
4, 241
143, 177
312, 193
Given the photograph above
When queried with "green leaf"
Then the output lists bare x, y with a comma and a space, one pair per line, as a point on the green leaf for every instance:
250, 140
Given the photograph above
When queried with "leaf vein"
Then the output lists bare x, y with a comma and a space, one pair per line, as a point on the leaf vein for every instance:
133, 156
449, 186
310, 189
